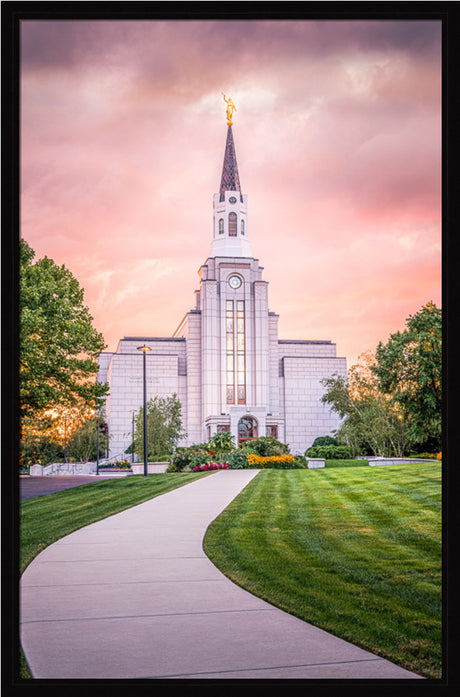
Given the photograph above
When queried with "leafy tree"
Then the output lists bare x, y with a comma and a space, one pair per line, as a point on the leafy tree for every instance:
38, 445
409, 368
40, 440
164, 428
59, 346
82, 444
370, 420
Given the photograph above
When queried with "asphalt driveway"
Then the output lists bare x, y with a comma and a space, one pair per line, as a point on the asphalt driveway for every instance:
30, 487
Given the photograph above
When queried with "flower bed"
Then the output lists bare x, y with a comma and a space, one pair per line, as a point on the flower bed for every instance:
210, 466
275, 461
116, 465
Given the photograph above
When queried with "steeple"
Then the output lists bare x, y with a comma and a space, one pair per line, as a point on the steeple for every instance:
230, 206
230, 180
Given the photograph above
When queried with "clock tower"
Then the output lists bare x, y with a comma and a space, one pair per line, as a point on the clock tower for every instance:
236, 326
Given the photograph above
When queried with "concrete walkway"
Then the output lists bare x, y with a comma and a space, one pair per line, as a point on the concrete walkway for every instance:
134, 596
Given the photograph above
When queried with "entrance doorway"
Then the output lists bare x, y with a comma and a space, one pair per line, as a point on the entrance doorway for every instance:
247, 429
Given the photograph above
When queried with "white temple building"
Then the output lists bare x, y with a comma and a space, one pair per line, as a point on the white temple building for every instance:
225, 361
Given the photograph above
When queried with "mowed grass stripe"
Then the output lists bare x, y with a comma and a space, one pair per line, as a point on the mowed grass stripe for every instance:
356, 552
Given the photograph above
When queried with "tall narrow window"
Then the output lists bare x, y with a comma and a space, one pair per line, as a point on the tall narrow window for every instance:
240, 352
232, 224
242, 227
229, 350
235, 352
221, 226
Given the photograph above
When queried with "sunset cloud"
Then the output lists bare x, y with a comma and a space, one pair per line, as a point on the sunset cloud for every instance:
338, 139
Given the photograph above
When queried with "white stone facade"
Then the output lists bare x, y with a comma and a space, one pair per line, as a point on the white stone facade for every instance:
225, 361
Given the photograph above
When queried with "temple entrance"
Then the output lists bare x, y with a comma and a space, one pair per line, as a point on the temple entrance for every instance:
247, 429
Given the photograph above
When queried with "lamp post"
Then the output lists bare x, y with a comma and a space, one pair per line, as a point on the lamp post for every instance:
144, 350
65, 438
400, 417
97, 444
133, 411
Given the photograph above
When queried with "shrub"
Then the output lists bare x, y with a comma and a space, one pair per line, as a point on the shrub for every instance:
273, 461
221, 444
325, 440
183, 456
199, 459
41, 448
237, 459
426, 456
266, 446
330, 452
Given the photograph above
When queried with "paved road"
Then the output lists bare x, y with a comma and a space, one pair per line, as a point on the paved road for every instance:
135, 596
29, 487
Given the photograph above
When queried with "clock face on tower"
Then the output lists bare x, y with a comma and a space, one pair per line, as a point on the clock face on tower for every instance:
232, 199
234, 282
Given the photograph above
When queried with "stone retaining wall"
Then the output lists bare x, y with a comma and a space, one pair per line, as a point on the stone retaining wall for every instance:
61, 468
152, 468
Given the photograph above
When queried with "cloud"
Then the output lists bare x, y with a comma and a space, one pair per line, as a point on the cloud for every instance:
337, 133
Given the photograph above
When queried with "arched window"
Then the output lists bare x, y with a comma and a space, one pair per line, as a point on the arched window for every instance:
232, 224
242, 227
247, 429
221, 226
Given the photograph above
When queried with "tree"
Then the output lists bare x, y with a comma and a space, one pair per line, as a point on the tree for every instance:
409, 369
59, 346
164, 427
370, 420
82, 444
40, 441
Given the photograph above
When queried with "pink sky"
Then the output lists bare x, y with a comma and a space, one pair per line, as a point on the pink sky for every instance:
338, 140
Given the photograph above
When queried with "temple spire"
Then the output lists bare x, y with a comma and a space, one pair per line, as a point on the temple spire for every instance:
230, 206
230, 180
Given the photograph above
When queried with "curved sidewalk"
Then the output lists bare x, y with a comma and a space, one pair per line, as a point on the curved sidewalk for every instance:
134, 596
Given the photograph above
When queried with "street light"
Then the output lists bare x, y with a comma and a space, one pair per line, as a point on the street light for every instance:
97, 444
133, 411
65, 438
144, 350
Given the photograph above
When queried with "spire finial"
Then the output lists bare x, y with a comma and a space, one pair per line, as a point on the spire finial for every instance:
230, 108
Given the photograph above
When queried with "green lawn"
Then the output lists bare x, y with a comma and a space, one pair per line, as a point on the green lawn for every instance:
355, 551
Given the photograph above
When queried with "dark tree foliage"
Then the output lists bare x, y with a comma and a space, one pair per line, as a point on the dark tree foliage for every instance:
409, 368
59, 346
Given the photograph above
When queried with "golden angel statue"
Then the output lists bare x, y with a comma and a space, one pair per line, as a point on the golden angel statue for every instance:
230, 108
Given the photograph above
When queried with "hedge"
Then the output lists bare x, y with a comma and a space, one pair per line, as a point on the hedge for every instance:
330, 452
